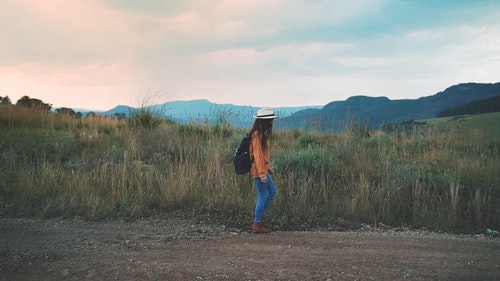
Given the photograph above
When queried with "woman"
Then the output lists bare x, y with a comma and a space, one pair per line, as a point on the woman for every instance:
261, 170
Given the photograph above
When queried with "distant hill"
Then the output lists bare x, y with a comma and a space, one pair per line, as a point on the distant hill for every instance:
203, 111
334, 116
120, 109
375, 111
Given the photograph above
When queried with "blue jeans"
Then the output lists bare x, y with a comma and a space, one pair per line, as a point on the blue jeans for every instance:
265, 194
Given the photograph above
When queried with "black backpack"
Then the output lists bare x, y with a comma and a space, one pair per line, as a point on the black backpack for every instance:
242, 160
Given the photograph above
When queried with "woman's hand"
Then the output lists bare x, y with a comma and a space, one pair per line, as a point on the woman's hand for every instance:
264, 179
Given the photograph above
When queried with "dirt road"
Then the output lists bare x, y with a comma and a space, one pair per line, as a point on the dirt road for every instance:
180, 249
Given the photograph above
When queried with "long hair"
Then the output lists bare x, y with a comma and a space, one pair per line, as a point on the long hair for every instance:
265, 127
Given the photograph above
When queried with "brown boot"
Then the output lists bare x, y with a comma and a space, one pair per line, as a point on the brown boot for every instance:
258, 227
263, 223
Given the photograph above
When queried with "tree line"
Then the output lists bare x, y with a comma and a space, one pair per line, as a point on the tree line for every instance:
488, 105
40, 106
27, 102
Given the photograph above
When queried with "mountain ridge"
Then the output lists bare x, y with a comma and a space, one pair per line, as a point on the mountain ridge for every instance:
334, 116
203, 111
375, 111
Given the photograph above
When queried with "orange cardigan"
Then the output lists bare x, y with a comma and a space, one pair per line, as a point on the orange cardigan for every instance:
261, 156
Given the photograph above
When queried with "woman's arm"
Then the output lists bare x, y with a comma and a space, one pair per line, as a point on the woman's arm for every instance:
258, 155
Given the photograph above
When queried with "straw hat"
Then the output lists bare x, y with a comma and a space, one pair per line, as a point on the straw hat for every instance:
265, 113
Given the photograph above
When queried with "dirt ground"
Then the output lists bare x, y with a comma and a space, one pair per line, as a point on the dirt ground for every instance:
181, 249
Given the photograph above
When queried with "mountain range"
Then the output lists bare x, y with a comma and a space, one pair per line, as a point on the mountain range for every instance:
375, 111
334, 116
204, 111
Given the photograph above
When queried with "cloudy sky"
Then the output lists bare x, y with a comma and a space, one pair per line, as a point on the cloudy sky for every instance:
96, 54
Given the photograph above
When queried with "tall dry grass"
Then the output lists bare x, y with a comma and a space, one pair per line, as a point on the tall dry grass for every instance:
101, 167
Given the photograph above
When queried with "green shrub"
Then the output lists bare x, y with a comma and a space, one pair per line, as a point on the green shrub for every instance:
146, 118
308, 140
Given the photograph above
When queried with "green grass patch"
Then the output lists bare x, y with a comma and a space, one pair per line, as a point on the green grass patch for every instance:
100, 167
467, 123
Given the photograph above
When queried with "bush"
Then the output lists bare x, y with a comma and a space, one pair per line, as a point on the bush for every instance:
308, 140
145, 118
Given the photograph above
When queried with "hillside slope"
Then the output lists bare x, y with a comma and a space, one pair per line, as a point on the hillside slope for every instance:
375, 111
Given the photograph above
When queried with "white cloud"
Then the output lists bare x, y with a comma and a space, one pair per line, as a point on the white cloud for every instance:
283, 52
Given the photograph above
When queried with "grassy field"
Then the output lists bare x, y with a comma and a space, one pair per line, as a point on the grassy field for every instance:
442, 178
487, 122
